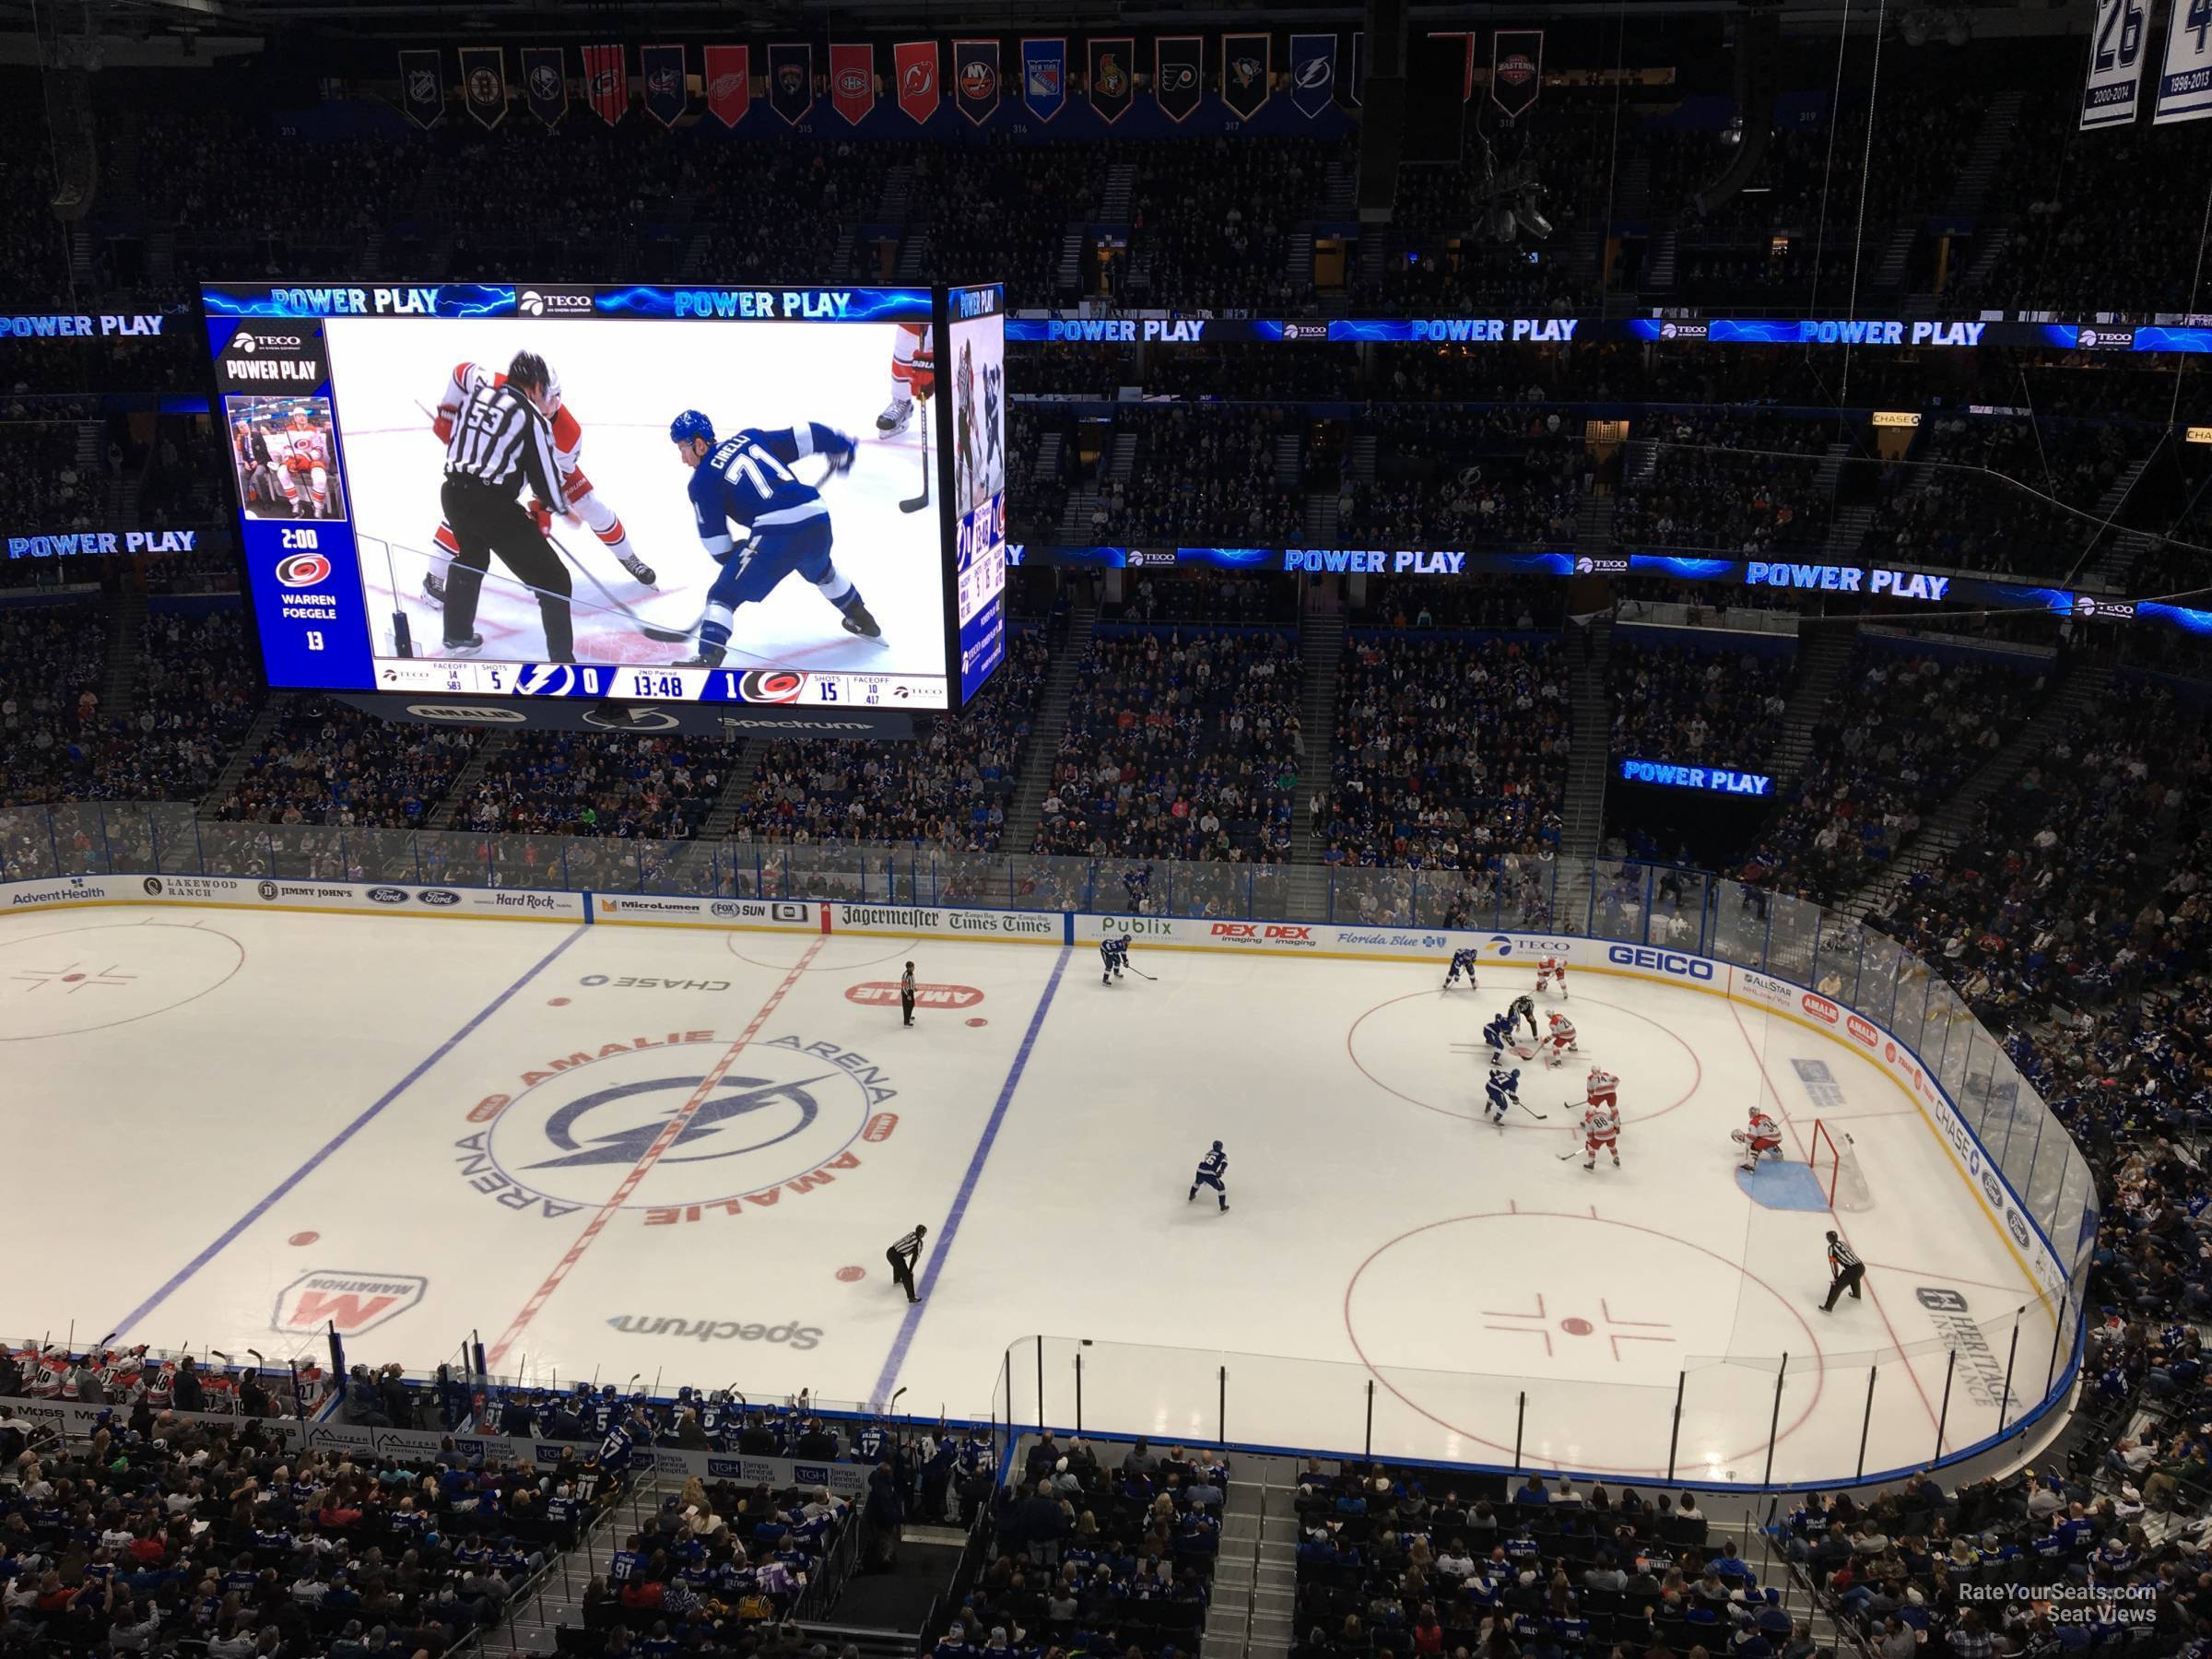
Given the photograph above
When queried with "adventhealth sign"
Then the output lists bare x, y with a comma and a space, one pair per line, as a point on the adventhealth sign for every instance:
1718, 779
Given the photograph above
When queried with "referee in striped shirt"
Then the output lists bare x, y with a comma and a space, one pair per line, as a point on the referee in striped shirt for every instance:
502, 440
1845, 1271
903, 1256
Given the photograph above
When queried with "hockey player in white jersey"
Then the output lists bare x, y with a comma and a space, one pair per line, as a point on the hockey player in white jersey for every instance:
1762, 1137
1601, 1132
585, 505
305, 470
1551, 972
913, 374
1559, 1042
1602, 1087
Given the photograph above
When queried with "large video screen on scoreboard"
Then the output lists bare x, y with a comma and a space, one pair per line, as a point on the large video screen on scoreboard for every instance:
814, 582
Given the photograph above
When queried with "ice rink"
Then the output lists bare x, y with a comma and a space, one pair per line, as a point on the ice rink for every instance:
428, 1126
625, 381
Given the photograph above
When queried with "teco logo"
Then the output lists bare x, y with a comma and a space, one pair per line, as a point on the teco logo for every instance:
1861, 1032
1820, 1008
545, 302
1277, 931
303, 571
885, 994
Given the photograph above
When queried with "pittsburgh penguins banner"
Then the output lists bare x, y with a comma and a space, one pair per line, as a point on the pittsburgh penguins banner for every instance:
607, 82
1516, 69
667, 92
546, 83
1112, 81
919, 64
1246, 60
484, 83
1044, 76
422, 87
975, 79
852, 80
1312, 73
791, 79
1176, 67
729, 83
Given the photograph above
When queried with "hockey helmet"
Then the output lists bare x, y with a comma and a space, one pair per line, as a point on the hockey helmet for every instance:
691, 424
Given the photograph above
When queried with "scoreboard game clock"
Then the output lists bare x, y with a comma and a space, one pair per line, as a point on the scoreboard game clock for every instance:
337, 399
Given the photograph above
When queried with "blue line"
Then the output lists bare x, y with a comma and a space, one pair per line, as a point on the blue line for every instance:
338, 1140
912, 1320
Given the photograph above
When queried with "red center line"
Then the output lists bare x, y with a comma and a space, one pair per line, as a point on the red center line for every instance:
670, 1132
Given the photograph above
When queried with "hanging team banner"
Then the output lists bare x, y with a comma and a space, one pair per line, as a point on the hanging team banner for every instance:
1351, 90
1112, 83
2185, 84
852, 80
1246, 62
1044, 76
975, 79
791, 79
1465, 45
1177, 61
2115, 64
729, 83
919, 67
422, 87
484, 83
1516, 69
546, 83
667, 92
605, 82
1312, 73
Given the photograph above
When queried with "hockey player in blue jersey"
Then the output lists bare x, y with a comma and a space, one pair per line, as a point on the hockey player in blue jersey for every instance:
1114, 954
746, 479
1211, 1168
1461, 961
1501, 1093
1498, 1035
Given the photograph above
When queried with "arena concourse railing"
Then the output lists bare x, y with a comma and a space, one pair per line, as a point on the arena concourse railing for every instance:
2014, 1134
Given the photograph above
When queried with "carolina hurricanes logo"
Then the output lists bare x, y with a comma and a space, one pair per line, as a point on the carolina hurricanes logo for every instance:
303, 571
603, 82
771, 685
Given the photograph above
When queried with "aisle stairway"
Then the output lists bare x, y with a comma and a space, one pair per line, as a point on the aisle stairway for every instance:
250, 743
1589, 765
126, 651
446, 814
1823, 659
1024, 811
1321, 648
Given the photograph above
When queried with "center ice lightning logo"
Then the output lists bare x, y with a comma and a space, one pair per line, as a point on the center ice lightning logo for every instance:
786, 1116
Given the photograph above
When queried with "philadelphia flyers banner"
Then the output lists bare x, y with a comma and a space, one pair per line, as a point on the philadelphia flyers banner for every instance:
975, 79
1112, 80
852, 80
605, 82
919, 68
1176, 62
729, 83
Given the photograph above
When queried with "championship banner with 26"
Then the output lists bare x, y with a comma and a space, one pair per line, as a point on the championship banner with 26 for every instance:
1044, 76
1516, 69
607, 82
1176, 74
546, 83
852, 80
484, 83
918, 66
666, 91
791, 79
729, 83
975, 79
1312, 73
422, 87
1246, 62
1113, 83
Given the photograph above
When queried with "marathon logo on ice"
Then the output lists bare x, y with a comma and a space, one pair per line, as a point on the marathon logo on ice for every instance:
1847, 579
353, 1302
67, 544
1660, 961
65, 326
1374, 562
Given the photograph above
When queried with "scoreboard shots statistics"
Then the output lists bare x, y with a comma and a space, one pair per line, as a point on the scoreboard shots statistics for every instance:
771, 495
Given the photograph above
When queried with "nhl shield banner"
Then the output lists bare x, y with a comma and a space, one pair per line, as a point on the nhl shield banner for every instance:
729, 83
1044, 76
484, 83
975, 79
791, 79
666, 89
852, 80
1516, 69
1246, 60
605, 82
546, 83
1177, 62
1112, 83
1312, 73
422, 87
918, 64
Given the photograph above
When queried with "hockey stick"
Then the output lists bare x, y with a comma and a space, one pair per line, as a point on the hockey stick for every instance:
666, 636
1570, 1151
1141, 974
915, 503
1541, 1117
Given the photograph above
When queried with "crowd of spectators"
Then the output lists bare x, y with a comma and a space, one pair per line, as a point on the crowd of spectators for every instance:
1201, 475
661, 788
1727, 482
1467, 478
1698, 705
327, 764
1210, 219
53, 666
1985, 493
47, 486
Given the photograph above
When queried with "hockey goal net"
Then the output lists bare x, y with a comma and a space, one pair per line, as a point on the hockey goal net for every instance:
1835, 1163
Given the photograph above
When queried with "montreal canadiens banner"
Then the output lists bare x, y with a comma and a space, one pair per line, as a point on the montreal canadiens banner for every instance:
729, 83
920, 69
1044, 76
1112, 79
852, 80
422, 87
1312, 73
546, 83
605, 82
666, 76
975, 79
791, 79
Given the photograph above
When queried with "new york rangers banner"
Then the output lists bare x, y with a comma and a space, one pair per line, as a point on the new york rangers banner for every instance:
852, 80
729, 83
1044, 76
1312, 73
1176, 62
665, 92
791, 79
1352, 88
1516, 69
422, 87
1112, 83
605, 82
2185, 86
546, 83
1246, 61
975, 79
2115, 63
918, 63
484, 83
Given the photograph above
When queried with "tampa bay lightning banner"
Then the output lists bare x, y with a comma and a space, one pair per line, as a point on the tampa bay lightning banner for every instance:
422, 87
665, 92
1044, 76
1245, 62
1312, 73
546, 83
